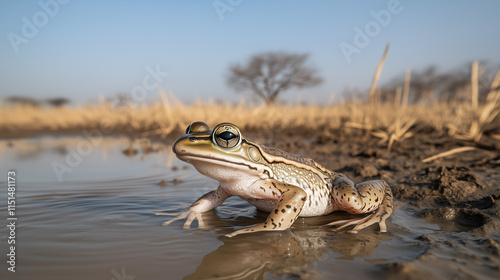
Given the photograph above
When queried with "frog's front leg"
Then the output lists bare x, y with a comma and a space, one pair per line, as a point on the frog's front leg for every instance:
362, 198
291, 200
205, 203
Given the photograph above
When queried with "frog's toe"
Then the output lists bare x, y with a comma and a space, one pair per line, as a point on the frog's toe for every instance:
241, 231
358, 223
191, 217
188, 215
179, 217
383, 227
234, 233
252, 229
362, 223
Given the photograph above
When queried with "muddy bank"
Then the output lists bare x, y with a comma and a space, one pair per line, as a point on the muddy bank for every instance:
459, 193
463, 188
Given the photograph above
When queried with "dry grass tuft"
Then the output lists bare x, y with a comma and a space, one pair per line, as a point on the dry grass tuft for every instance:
481, 116
393, 127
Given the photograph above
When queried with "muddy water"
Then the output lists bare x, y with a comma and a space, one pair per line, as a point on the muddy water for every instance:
94, 218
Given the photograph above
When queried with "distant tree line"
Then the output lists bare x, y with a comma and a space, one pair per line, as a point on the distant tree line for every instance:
268, 75
430, 84
23, 100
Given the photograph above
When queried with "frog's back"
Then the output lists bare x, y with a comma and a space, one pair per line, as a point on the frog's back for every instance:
276, 156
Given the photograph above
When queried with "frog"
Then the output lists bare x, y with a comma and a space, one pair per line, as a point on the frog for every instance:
287, 186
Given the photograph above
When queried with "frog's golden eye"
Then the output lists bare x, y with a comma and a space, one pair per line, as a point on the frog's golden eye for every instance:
197, 127
227, 136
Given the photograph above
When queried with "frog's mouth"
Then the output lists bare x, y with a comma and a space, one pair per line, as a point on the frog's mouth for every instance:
222, 169
195, 159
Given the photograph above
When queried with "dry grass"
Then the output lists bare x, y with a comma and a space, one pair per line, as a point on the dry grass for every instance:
449, 153
391, 122
475, 119
396, 126
399, 129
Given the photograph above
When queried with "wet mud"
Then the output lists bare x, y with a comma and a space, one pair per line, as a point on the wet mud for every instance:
459, 193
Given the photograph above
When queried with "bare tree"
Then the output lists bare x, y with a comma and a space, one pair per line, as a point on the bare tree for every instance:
269, 74
58, 101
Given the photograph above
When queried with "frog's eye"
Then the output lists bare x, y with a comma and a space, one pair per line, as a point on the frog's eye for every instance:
227, 136
197, 127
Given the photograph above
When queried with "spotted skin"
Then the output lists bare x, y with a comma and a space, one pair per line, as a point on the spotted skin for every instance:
287, 210
363, 198
286, 186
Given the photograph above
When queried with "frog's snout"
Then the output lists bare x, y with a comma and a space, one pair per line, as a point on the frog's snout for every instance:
178, 147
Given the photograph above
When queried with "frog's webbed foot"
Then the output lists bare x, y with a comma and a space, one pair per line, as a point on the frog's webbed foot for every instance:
380, 216
205, 203
189, 215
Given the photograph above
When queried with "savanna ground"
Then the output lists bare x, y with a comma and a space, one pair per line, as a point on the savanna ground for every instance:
441, 159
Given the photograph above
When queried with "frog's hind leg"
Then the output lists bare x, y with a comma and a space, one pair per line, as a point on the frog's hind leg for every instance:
366, 197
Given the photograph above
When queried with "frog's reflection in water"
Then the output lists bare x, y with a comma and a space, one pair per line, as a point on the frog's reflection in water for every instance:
251, 256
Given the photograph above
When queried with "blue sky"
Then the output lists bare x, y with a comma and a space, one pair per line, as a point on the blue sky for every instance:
83, 49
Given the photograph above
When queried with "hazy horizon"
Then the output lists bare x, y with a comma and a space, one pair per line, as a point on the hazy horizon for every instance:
81, 50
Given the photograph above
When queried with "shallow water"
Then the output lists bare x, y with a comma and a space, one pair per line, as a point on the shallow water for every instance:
96, 220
